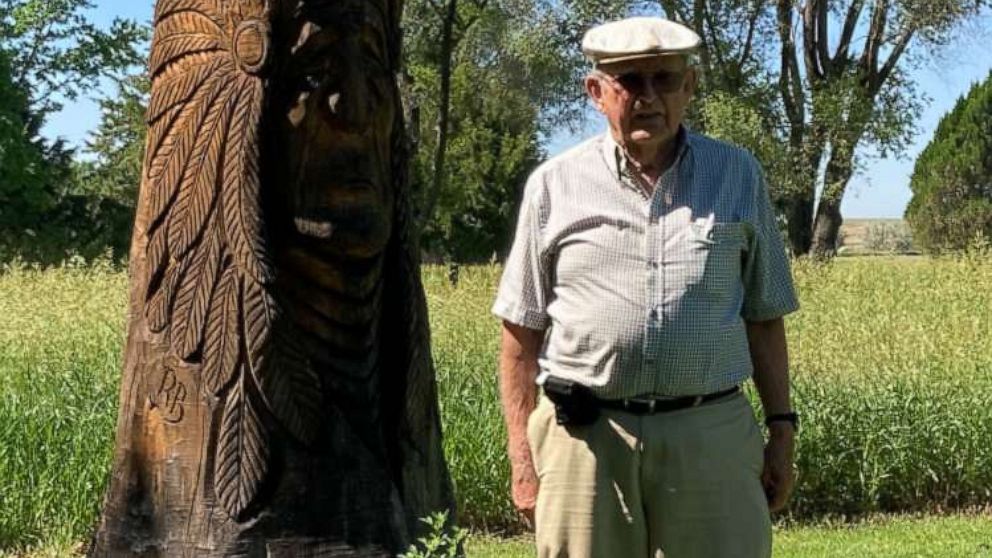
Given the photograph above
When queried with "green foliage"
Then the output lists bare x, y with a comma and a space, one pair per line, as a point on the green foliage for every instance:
50, 53
57, 54
441, 540
24, 169
952, 179
825, 79
515, 70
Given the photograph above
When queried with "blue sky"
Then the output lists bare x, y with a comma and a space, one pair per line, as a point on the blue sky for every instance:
880, 190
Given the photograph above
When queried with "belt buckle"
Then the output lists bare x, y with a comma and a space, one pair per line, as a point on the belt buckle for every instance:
639, 401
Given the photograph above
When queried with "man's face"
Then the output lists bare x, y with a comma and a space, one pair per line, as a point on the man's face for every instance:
643, 100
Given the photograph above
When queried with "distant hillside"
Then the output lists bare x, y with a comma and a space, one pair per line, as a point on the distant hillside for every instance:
875, 236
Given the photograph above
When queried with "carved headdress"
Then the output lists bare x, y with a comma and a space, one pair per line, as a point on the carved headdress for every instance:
209, 272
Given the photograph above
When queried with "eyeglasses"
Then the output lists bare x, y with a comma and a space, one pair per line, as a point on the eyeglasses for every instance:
635, 83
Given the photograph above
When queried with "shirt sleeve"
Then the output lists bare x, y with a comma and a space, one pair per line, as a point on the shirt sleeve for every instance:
522, 297
768, 289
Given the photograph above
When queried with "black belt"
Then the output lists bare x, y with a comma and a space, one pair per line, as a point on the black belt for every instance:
645, 406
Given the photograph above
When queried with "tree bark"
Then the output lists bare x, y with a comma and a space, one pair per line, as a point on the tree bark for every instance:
278, 397
443, 110
826, 229
799, 215
840, 168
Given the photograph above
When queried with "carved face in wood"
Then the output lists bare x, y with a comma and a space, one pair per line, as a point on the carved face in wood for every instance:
340, 112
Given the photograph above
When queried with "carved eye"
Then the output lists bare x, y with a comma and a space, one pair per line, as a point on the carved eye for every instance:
310, 82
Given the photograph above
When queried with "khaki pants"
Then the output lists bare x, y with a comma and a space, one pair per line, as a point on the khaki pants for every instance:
684, 484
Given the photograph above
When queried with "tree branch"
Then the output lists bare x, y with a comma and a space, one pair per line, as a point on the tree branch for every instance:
822, 37
707, 18
749, 41
890, 64
850, 23
789, 84
813, 68
699, 28
673, 11
874, 40
43, 37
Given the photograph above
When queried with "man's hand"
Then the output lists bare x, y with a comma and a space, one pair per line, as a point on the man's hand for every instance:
778, 477
524, 486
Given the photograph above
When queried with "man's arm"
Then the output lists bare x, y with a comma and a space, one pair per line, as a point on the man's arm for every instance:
519, 348
770, 357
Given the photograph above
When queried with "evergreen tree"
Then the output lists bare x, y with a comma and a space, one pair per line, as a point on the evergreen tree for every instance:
952, 179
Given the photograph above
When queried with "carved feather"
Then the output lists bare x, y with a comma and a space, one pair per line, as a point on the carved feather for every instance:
169, 165
181, 81
165, 8
159, 306
222, 343
198, 185
242, 452
158, 133
209, 272
170, 49
292, 389
241, 199
193, 299
259, 314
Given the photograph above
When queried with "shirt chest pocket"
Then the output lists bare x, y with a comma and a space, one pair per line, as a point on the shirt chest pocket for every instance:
706, 257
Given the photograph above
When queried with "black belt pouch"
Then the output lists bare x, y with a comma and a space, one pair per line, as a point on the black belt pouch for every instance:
575, 405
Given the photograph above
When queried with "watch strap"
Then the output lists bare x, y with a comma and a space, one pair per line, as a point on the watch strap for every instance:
792, 418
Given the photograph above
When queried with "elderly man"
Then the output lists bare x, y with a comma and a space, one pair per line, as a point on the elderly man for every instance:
646, 283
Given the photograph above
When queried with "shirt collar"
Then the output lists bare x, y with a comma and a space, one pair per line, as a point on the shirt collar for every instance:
616, 158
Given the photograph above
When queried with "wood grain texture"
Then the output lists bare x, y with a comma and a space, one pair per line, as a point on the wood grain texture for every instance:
278, 396
242, 460
202, 171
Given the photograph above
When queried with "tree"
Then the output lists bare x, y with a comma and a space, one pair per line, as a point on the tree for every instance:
493, 146
104, 189
49, 53
24, 170
56, 54
485, 79
952, 179
847, 94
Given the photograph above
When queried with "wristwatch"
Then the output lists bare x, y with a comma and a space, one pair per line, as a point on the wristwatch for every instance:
792, 418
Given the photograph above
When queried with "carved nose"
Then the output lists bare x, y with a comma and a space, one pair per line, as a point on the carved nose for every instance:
348, 110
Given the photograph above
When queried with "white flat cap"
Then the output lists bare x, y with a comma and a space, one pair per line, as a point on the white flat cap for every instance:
637, 37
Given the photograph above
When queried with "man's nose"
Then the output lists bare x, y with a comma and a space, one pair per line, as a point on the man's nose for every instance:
648, 92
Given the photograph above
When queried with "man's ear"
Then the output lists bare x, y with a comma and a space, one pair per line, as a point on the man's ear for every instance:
691, 80
594, 88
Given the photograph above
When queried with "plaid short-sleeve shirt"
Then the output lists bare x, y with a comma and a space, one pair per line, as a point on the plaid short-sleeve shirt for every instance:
646, 295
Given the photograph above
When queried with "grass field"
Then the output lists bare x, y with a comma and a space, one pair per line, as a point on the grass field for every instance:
892, 365
944, 537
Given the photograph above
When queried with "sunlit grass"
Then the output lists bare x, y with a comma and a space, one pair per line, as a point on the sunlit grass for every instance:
892, 362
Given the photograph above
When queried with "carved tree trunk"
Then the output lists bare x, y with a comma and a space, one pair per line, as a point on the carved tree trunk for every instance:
278, 397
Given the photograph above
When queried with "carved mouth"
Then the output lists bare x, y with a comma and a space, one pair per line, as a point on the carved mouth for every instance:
352, 215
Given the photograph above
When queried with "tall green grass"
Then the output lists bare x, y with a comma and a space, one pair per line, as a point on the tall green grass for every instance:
892, 366
60, 346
